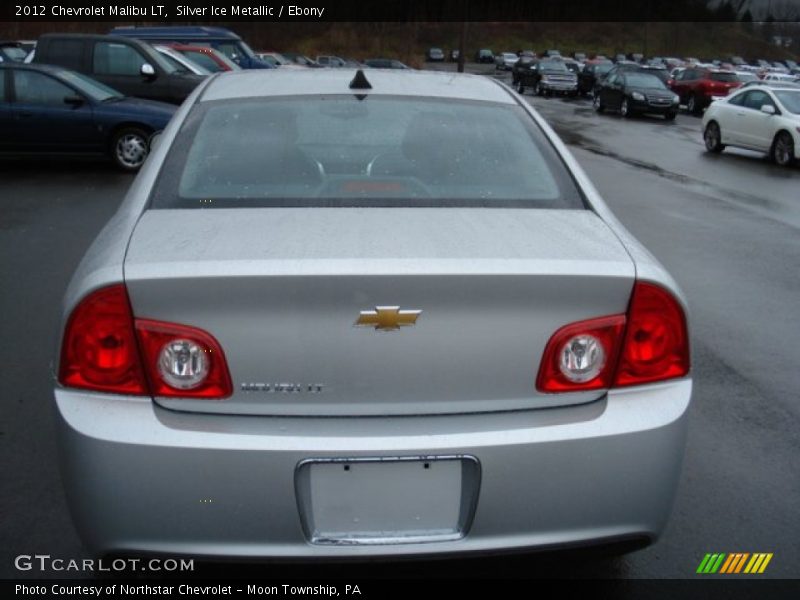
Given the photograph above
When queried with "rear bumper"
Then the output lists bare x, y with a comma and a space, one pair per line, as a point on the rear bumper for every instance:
140, 478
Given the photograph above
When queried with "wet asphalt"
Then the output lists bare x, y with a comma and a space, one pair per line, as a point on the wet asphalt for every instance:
727, 227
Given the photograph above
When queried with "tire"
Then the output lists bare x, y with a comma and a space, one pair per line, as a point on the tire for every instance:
597, 104
625, 110
693, 105
782, 150
129, 148
713, 138
670, 116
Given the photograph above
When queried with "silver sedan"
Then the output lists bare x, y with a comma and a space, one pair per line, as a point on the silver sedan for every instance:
348, 314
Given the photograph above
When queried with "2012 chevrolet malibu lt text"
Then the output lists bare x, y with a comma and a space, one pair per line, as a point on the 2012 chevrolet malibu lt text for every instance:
348, 315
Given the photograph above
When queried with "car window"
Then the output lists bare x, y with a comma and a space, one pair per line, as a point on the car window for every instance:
14, 53
612, 78
70, 53
789, 99
176, 64
232, 51
738, 100
32, 87
90, 87
338, 150
116, 59
756, 99
729, 77
204, 60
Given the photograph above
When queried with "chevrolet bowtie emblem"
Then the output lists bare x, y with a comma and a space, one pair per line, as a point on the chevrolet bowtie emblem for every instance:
387, 318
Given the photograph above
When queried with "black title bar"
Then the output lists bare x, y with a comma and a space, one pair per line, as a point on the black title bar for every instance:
211, 11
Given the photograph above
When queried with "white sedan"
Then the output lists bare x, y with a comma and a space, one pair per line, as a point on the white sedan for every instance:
762, 118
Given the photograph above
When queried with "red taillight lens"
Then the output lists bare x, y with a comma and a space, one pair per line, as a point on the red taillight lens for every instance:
99, 349
101, 352
648, 344
183, 361
656, 345
581, 356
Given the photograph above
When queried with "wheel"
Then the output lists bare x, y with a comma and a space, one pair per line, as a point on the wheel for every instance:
713, 138
521, 87
624, 109
670, 116
782, 151
693, 106
129, 148
597, 104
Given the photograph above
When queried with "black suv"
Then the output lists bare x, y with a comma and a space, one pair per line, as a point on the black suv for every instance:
124, 64
548, 76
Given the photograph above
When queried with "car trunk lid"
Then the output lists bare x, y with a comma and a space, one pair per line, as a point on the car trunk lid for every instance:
281, 289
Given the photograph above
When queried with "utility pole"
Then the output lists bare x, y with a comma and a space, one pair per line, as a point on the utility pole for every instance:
462, 44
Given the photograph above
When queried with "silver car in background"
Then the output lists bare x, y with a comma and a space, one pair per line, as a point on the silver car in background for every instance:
349, 314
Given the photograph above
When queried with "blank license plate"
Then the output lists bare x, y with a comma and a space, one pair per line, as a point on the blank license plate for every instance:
380, 501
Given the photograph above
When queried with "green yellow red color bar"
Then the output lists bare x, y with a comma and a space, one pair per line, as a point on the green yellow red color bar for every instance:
734, 563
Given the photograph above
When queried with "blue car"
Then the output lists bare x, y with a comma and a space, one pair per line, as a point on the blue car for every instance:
51, 110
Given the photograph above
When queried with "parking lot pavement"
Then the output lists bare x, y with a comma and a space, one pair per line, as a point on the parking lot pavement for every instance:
726, 226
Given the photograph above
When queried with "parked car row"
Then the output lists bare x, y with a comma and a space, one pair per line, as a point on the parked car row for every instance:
761, 115
89, 94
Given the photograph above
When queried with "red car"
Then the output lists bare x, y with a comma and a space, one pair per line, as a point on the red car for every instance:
207, 57
697, 86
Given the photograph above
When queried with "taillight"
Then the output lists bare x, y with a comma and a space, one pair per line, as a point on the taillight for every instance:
99, 349
105, 349
183, 361
581, 356
650, 343
656, 345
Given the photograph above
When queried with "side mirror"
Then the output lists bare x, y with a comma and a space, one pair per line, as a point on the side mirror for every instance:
147, 70
73, 100
768, 109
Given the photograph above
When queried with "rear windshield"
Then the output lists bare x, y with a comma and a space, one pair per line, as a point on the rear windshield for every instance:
377, 151
723, 77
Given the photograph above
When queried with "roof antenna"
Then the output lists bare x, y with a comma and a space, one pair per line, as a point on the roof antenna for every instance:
360, 82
